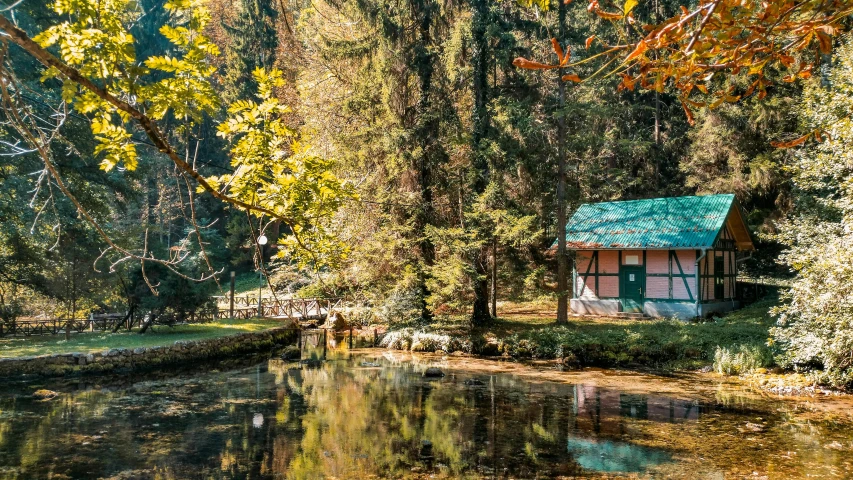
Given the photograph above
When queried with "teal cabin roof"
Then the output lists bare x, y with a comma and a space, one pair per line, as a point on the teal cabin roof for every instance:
657, 223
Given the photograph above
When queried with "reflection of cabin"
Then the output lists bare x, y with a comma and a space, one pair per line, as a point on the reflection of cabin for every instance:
658, 257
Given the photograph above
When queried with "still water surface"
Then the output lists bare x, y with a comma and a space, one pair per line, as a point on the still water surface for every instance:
374, 415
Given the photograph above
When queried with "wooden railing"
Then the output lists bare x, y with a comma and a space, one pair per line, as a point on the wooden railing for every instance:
294, 308
53, 326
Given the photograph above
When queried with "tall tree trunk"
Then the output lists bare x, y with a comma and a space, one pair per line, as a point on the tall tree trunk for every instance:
562, 259
426, 133
657, 94
494, 293
480, 59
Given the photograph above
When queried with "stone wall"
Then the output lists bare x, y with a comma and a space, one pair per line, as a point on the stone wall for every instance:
147, 357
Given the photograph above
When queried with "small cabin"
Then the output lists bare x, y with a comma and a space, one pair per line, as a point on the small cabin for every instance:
660, 257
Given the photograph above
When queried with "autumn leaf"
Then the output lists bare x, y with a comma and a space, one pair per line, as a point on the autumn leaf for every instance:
572, 77
786, 60
531, 65
689, 114
589, 41
825, 42
792, 143
827, 29
609, 15
593, 5
629, 5
627, 82
562, 57
639, 50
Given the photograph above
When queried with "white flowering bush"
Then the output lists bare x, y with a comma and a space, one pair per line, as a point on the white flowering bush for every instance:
815, 326
409, 339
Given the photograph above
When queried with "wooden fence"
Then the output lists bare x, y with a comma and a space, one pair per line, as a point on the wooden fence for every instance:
295, 308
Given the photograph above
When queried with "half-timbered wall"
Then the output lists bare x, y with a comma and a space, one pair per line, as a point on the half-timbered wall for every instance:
722, 254
670, 275
596, 274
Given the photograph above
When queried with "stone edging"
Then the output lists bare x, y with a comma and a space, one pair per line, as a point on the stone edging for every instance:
146, 357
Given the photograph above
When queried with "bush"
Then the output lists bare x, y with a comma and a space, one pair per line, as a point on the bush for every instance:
743, 359
408, 339
402, 307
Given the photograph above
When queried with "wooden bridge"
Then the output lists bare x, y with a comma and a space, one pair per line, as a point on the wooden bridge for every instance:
290, 308
299, 309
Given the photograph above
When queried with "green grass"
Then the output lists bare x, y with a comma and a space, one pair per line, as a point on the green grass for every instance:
529, 331
247, 284
161, 335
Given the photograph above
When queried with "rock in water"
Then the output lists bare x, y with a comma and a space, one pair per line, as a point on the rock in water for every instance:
473, 382
45, 394
291, 353
336, 322
433, 372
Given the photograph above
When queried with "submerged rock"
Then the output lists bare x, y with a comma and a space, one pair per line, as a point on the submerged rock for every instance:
311, 362
370, 364
291, 353
433, 372
473, 382
45, 394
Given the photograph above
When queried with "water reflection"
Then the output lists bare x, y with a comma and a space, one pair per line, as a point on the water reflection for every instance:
607, 456
379, 416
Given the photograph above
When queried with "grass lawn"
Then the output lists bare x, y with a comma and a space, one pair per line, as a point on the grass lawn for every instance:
529, 331
98, 341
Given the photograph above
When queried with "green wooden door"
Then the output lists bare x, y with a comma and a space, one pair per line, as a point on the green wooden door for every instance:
632, 281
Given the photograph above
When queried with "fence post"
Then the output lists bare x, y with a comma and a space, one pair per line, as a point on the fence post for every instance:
375, 338
231, 297
350, 337
325, 342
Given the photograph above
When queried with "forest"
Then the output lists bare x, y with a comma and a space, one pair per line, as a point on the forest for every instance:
417, 156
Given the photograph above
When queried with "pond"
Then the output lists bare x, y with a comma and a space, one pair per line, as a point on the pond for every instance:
373, 414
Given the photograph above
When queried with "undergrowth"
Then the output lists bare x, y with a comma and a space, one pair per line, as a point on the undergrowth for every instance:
738, 341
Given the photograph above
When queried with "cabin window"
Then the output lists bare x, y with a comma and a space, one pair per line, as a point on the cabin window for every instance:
632, 259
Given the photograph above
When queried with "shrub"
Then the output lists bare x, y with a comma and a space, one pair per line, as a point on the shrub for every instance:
402, 307
743, 359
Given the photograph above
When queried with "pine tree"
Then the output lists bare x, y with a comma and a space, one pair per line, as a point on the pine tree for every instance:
254, 41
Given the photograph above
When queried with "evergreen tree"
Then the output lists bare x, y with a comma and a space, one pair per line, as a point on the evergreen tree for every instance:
253, 43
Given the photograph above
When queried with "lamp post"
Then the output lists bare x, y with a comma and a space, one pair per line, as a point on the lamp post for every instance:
262, 240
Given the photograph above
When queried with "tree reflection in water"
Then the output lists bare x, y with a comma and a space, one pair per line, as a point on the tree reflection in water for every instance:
344, 420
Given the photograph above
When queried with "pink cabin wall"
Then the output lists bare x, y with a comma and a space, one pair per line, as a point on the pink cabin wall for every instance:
584, 290
657, 261
608, 261
582, 261
657, 287
608, 286
687, 259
